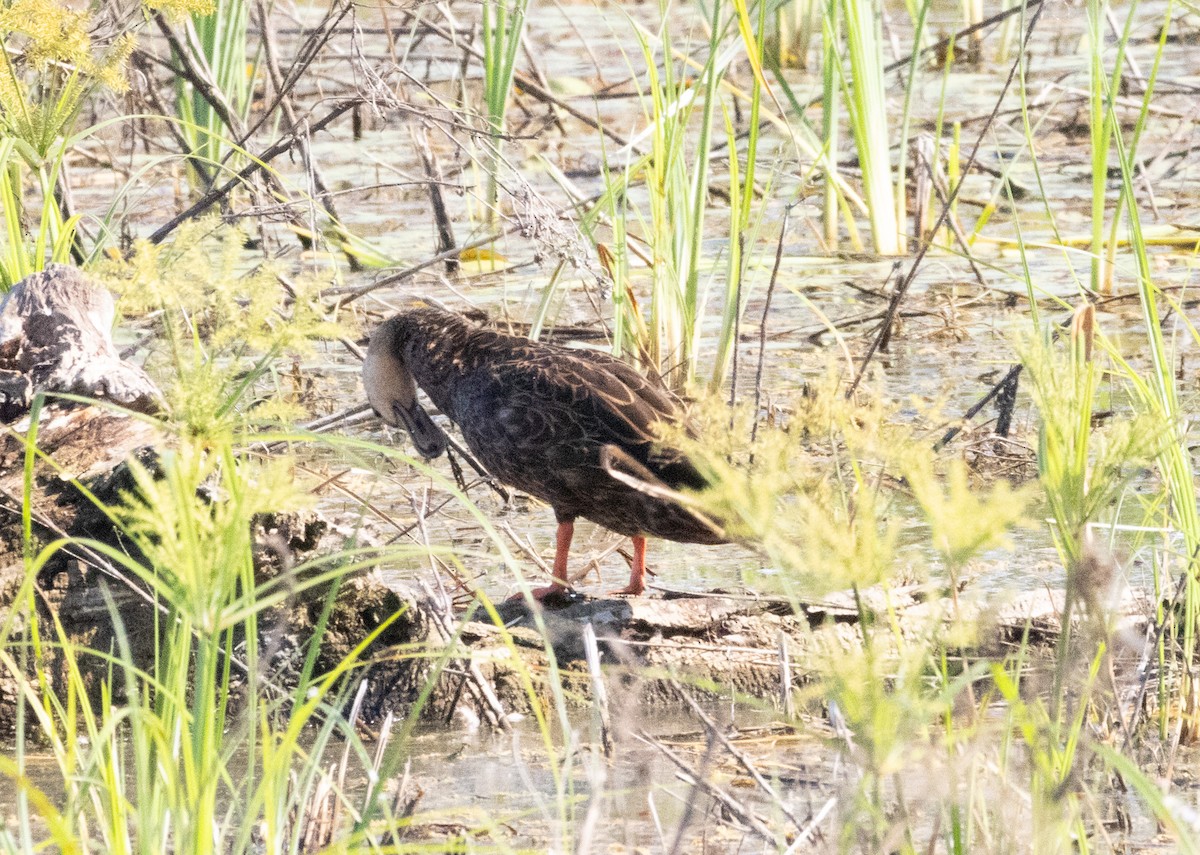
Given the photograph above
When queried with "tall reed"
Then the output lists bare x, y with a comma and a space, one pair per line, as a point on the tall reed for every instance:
1156, 390
214, 48
866, 107
503, 29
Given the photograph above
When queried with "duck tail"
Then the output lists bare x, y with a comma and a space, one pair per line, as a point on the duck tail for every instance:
621, 466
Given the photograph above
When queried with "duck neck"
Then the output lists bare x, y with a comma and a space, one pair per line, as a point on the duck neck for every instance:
437, 353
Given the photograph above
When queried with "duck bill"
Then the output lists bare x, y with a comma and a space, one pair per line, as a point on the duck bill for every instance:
426, 436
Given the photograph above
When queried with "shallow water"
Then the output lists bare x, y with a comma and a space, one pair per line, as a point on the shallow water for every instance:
946, 354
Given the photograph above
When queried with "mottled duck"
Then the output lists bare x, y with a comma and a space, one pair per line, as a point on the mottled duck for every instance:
577, 429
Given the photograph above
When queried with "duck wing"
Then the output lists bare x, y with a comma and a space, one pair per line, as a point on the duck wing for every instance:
539, 417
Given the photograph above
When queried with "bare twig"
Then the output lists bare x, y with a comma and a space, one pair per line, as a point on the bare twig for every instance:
441, 217
762, 326
599, 694
699, 780
530, 86
318, 37
285, 143
410, 272
1008, 379
477, 684
283, 101
903, 286
718, 734
194, 69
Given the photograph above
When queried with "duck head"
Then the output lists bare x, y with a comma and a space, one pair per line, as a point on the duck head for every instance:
392, 391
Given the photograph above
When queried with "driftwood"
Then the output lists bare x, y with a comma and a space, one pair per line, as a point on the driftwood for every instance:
736, 643
54, 337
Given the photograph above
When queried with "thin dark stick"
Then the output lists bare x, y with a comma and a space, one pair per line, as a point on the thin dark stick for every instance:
283, 101
200, 77
762, 327
902, 287
889, 314
410, 272
939, 187
530, 86
441, 216
285, 143
1005, 383
305, 57
142, 61
1006, 403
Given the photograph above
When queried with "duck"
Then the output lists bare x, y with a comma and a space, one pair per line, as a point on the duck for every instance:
577, 428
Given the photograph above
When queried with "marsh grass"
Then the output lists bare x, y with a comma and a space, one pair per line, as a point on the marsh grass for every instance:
676, 180
943, 746
503, 28
202, 748
659, 323
212, 107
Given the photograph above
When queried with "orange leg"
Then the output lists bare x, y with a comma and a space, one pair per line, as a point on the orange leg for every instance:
637, 572
562, 546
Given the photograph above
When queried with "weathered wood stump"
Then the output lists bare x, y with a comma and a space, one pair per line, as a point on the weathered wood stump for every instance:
55, 336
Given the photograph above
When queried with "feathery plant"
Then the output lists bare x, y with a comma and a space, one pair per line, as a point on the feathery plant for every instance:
199, 562
223, 332
1083, 471
806, 493
50, 66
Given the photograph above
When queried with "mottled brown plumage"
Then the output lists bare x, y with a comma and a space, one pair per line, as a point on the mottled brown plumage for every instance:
539, 417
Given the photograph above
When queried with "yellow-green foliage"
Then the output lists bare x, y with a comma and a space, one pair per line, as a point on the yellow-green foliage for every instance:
223, 322
813, 492
963, 520
191, 518
50, 32
52, 61
781, 495
52, 66
183, 7
47, 32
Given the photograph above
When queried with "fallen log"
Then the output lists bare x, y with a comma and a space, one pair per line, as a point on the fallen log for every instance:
734, 643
